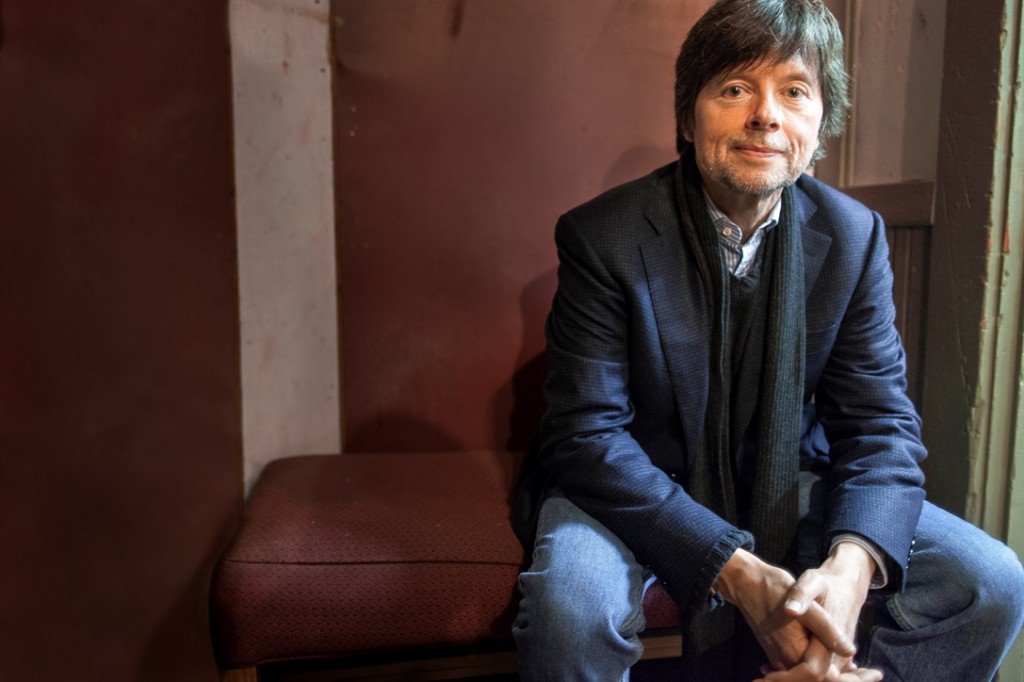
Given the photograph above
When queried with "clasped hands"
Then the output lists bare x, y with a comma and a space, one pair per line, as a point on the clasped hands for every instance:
805, 626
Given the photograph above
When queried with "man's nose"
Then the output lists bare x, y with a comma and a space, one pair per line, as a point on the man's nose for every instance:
765, 115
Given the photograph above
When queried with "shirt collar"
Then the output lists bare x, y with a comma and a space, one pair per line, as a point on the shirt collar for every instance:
718, 217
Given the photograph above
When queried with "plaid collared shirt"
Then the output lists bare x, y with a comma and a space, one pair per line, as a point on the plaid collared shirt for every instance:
739, 256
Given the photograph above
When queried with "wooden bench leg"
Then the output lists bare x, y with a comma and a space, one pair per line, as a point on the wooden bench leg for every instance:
240, 675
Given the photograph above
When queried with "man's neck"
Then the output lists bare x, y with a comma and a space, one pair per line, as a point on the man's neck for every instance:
746, 210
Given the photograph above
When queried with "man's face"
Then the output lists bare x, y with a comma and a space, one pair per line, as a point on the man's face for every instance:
755, 129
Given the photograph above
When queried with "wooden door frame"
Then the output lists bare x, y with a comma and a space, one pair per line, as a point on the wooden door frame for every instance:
972, 409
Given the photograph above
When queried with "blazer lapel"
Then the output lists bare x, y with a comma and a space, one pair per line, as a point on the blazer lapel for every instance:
677, 299
816, 244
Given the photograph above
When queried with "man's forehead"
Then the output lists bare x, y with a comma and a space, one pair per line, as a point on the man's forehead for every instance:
791, 66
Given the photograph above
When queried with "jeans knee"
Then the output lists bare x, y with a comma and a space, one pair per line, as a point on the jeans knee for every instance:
961, 576
562, 636
1001, 589
545, 610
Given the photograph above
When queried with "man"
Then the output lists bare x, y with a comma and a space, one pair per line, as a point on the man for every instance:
727, 409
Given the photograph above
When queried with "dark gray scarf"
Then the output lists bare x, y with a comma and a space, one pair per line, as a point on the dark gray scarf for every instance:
768, 388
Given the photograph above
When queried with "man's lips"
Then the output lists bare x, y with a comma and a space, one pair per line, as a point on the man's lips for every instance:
760, 150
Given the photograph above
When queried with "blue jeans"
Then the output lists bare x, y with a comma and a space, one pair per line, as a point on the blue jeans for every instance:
581, 610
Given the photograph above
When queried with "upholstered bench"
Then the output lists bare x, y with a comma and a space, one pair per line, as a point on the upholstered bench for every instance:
403, 561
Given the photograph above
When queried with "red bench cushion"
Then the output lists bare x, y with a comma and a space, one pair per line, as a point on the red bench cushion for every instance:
358, 553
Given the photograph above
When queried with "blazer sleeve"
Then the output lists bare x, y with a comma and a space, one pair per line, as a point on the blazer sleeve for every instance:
872, 427
585, 438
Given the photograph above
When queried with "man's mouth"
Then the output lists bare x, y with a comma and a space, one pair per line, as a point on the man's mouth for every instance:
758, 149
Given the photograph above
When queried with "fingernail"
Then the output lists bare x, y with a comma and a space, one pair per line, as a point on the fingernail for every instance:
795, 606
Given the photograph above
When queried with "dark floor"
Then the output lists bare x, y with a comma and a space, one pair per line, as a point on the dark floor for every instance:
664, 670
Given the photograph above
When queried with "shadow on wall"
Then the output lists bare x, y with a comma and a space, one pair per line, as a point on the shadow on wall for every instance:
394, 431
519, 405
164, 659
636, 162
522, 399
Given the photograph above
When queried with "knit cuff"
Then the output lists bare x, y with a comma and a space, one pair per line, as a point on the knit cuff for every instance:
704, 596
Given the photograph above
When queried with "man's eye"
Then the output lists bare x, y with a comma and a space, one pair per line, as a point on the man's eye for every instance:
734, 91
795, 92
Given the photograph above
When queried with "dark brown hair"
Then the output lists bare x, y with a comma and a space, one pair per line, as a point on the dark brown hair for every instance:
736, 33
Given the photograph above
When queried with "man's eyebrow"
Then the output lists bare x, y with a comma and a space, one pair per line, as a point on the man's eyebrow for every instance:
807, 75
802, 75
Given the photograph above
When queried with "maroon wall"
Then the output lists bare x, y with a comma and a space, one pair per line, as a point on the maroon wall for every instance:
120, 445
464, 128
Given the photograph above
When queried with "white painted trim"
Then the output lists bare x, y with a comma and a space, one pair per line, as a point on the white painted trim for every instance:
280, 53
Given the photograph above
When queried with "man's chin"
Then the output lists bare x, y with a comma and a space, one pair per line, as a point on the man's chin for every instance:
759, 185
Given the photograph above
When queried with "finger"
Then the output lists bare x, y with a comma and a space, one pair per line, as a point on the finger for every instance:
834, 674
813, 667
850, 672
802, 593
805, 671
862, 675
816, 619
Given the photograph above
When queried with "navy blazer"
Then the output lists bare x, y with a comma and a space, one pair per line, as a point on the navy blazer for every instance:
627, 344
